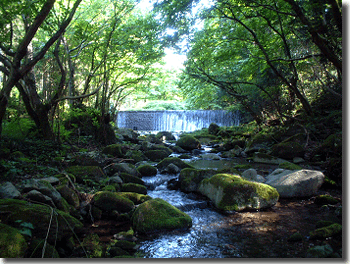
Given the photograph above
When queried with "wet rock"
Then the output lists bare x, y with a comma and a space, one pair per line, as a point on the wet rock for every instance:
110, 201
40, 217
127, 134
176, 161
300, 183
12, 242
213, 129
114, 150
259, 157
37, 196
123, 167
165, 135
252, 175
288, 150
157, 215
190, 178
156, 155
135, 155
134, 187
69, 195
327, 231
83, 173
171, 169
128, 178
188, 142
8, 190
147, 170
136, 198
319, 251
233, 193
210, 156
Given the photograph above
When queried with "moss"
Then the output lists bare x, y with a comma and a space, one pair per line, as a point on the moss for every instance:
110, 201
147, 170
174, 160
86, 172
135, 155
114, 150
233, 193
134, 187
327, 231
39, 215
124, 244
12, 242
289, 166
295, 237
190, 178
93, 246
109, 188
188, 142
157, 215
242, 166
287, 150
326, 199
128, 178
136, 198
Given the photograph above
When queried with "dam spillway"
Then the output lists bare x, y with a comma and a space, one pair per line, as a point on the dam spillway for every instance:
175, 120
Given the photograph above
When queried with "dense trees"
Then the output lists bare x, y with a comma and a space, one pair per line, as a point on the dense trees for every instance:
270, 58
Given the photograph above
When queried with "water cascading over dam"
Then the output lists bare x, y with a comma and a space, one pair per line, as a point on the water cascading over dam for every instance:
175, 120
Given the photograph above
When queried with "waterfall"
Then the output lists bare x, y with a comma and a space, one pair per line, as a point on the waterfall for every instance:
175, 120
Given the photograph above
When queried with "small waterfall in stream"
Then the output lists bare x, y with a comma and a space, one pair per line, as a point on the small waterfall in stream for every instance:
176, 121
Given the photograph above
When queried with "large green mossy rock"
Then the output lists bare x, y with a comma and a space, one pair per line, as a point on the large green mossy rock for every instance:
190, 178
112, 201
134, 187
136, 198
114, 150
43, 218
188, 142
233, 193
147, 170
12, 242
157, 215
327, 231
156, 155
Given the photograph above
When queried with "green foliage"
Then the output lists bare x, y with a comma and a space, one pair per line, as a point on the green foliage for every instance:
25, 228
19, 128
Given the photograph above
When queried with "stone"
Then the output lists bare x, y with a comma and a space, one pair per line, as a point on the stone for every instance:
83, 173
319, 251
188, 142
44, 187
128, 178
147, 170
287, 150
327, 231
123, 167
300, 183
134, 187
42, 217
165, 135
52, 180
259, 157
12, 242
233, 193
176, 161
37, 196
326, 199
136, 198
190, 178
69, 195
110, 201
91, 158
8, 190
115, 179
210, 156
157, 215
298, 160
171, 169
114, 150
128, 134
213, 129
156, 155
252, 175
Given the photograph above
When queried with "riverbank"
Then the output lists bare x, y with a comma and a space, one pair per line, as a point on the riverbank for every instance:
78, 172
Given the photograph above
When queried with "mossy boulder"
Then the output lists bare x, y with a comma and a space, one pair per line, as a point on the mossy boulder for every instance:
147, 170
157, 215
327, 231
114, 150
233, 193
12, 242
174, 160
322, 251
213, 129
84, 173
326, 199
190, 178
39, 216
165, 135
135, 155
287, 150
134, 187
69, 195
112, 201
260, 157
136, 198
156, 155
188, 142
122, 167
128, 178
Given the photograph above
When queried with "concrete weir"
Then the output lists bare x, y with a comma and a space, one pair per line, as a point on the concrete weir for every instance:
175, 120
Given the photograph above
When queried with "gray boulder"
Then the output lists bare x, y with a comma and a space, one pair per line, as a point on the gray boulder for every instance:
8, 190
37, 196
252, 175
123, 167
299, 183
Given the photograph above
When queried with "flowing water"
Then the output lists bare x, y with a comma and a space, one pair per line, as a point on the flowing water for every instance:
205, 239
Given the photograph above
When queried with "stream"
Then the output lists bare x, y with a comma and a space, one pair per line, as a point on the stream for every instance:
205, 239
